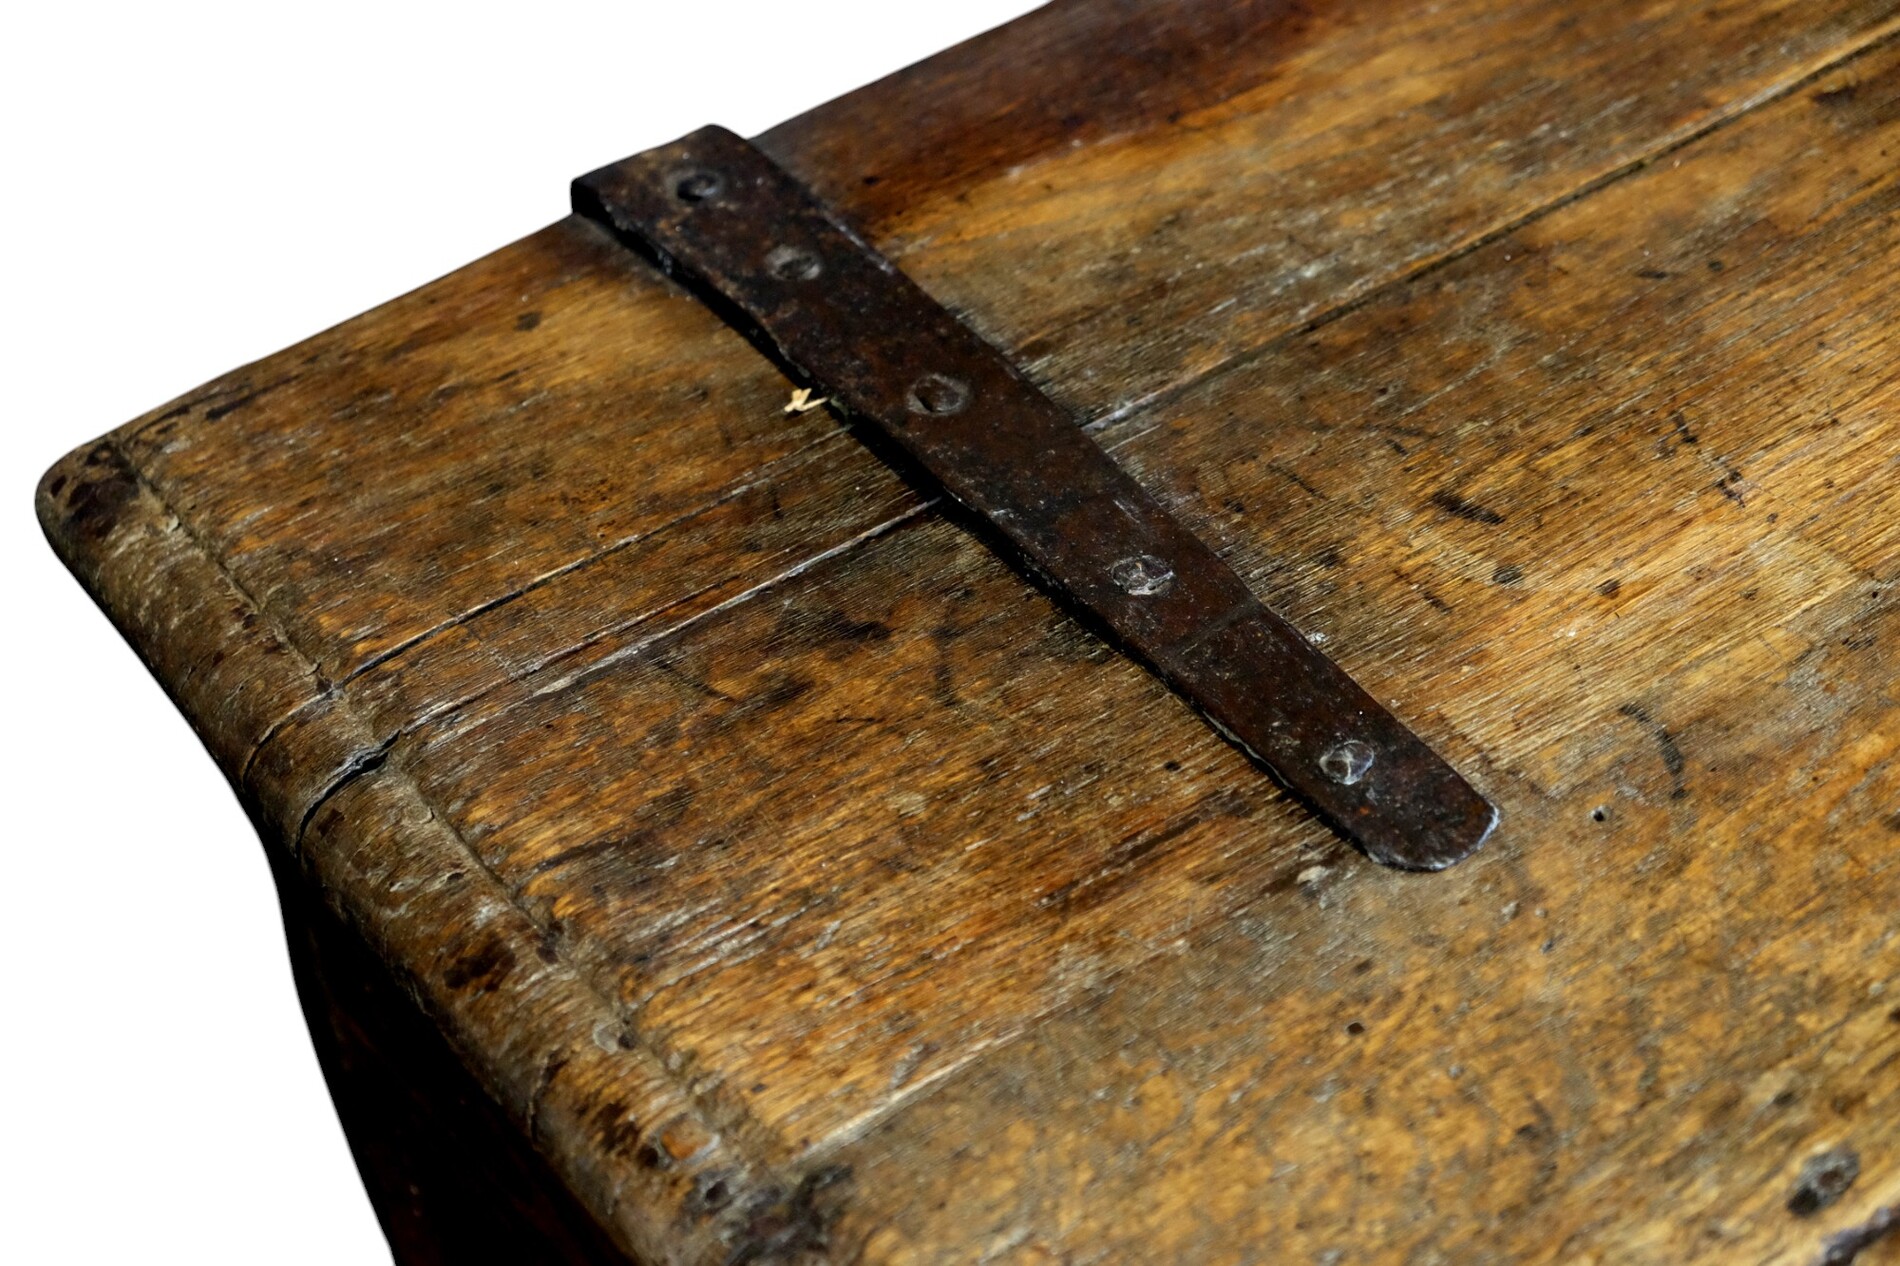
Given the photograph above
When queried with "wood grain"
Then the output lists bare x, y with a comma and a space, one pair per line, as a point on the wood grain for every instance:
805, 884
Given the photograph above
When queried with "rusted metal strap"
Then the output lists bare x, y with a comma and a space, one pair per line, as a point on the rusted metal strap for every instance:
724, 218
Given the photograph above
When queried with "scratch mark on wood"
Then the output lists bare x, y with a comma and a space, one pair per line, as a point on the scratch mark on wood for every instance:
1672, 757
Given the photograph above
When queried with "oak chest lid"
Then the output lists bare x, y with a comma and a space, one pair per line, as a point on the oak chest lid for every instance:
805, 883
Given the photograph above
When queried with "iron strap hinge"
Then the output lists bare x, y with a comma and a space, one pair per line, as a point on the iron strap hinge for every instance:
725, 219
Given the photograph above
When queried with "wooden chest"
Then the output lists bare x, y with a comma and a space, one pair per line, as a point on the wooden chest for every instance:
701, 848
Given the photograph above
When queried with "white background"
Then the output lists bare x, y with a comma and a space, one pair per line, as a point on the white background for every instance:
187, 187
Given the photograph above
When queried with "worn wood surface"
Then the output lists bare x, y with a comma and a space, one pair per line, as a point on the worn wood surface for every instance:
802, 883
451, 1178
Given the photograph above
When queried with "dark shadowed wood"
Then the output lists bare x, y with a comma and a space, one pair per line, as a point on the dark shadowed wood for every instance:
802, 883
451, 1178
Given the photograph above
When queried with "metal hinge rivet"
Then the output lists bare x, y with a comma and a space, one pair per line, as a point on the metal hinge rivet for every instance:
793, 263
1142, 576
1347, 763
939, 395
698, 186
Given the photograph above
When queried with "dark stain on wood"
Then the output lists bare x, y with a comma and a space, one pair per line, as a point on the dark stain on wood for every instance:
1101, 70
614, 1125
778, 1229
480, 969
1470, 511
94, 497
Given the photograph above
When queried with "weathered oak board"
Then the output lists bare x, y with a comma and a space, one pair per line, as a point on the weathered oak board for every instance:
802, 882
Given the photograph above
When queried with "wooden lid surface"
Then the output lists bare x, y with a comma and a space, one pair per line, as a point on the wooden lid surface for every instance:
806, 883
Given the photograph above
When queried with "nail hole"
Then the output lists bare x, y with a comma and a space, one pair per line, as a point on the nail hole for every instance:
1598, 815
1823, 1180
1355, 1028
939, 395
1142, 576
698, 186
793, 263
